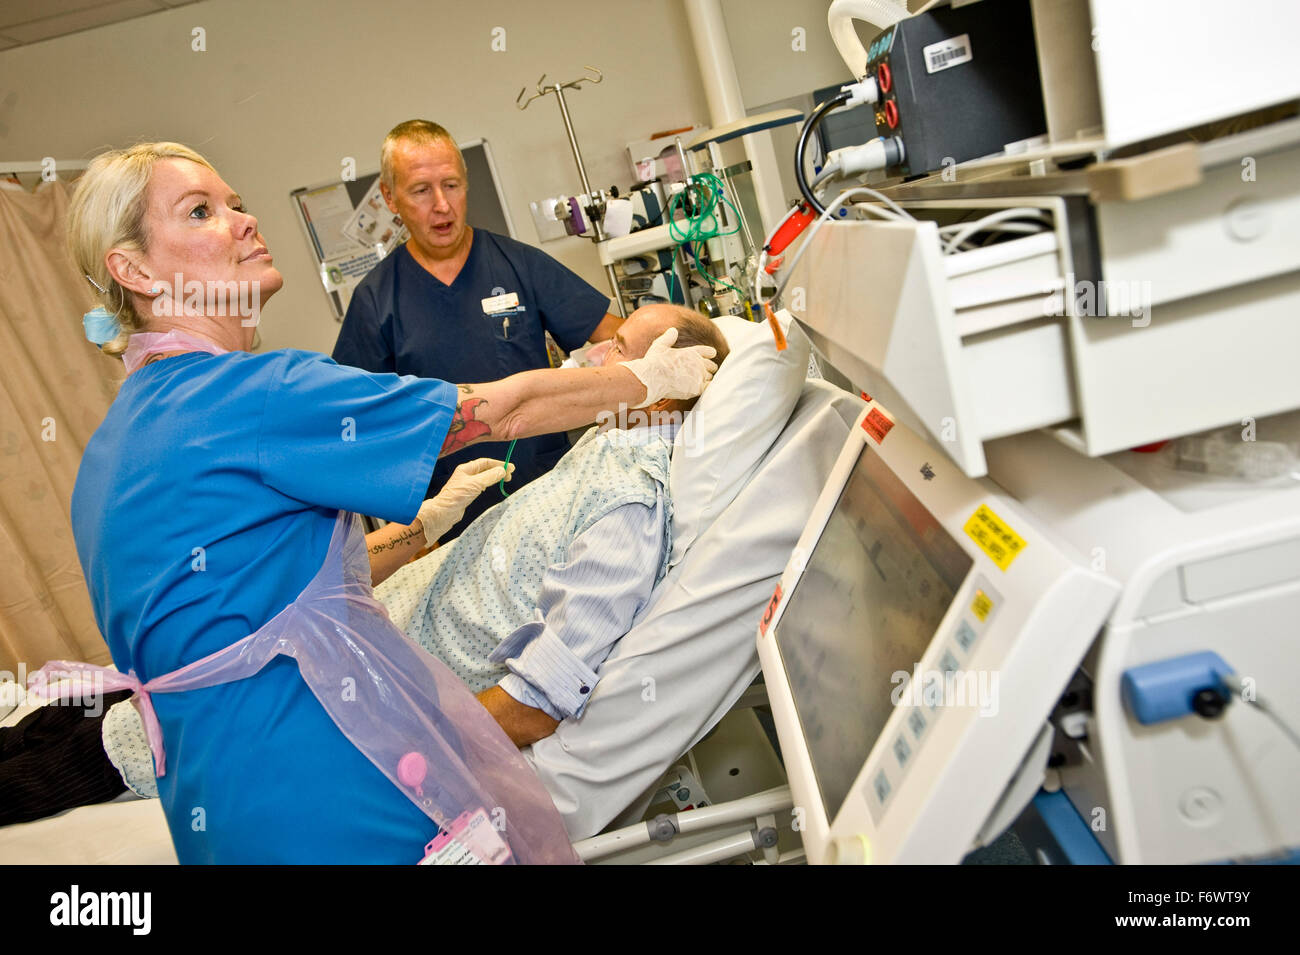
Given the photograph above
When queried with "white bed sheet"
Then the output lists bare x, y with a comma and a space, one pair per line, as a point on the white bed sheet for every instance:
130, 832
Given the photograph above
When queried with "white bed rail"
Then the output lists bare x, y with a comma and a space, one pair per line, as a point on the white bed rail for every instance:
758, 813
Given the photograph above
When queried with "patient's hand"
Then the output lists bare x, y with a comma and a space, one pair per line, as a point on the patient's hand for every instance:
524, 724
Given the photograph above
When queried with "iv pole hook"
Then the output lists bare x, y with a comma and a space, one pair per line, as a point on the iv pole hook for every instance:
543, 89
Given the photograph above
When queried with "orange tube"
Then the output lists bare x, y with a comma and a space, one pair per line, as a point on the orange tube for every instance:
776, 327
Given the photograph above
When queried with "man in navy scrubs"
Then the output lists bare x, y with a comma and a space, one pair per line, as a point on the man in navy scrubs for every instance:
463, 304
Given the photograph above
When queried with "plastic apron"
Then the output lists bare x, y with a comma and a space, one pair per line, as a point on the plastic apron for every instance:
399, 705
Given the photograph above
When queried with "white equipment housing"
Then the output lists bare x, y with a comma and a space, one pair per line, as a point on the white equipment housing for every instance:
1204, 569
923, 629
1159, 299
1104, 319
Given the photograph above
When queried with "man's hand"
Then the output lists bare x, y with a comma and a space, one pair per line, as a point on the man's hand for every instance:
524, 725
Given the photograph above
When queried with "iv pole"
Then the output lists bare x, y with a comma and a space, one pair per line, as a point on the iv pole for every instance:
595, 212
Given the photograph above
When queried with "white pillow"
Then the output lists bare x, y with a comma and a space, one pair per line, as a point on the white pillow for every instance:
733, 424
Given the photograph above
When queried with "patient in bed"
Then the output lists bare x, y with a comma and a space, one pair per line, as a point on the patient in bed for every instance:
530, 599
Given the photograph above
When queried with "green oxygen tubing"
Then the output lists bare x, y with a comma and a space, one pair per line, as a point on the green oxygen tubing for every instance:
506, 464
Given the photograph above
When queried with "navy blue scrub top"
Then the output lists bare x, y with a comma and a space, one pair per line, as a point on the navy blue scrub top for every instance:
204, 504
402, 319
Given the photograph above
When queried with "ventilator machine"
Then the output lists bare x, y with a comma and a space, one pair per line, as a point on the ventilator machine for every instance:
1053, 580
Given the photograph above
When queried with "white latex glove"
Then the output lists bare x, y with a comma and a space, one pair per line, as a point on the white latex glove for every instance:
669, 372
440, 513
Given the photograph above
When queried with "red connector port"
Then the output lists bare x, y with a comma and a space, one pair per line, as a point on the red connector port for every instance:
883, 78
790, 230
891, 114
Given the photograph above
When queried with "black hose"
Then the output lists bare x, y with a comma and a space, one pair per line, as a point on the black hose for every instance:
813, 122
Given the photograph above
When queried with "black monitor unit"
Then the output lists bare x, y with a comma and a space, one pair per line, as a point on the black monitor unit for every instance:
958, 83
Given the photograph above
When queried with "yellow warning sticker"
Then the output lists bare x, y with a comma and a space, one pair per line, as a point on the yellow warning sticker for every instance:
995, 536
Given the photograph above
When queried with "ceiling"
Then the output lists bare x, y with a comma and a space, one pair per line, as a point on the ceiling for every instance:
22, 21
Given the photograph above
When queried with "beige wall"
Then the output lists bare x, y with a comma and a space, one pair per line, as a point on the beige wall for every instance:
767, 64
287, 89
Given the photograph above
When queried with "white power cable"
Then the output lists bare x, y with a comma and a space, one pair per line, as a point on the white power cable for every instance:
1238, 687
1020, 228
964, 230
830, 169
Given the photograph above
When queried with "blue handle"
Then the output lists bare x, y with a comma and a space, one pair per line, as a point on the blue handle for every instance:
1155, 692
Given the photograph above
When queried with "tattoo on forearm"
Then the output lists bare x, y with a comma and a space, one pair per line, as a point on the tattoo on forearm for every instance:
465, 425
397, 541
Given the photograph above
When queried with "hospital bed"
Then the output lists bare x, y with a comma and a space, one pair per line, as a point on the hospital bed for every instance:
679, 687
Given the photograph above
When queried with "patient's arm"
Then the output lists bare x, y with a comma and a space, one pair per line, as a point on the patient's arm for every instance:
585, 606
392, 546
524, 725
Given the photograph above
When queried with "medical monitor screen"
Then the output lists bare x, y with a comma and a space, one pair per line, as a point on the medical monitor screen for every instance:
877, 584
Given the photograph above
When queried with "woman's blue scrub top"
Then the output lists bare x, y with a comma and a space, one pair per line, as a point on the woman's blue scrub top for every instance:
204, 504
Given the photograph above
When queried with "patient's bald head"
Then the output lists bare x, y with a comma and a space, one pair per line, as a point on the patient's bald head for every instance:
635, 336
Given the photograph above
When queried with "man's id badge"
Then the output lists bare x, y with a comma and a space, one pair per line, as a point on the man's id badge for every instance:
505, 302
471, 840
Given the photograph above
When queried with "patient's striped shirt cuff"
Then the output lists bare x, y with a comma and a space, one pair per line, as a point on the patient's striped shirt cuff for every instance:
539, 660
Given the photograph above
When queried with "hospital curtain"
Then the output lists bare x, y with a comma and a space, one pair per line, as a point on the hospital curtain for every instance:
55, 388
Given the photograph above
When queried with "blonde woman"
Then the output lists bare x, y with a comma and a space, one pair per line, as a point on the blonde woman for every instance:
212, 514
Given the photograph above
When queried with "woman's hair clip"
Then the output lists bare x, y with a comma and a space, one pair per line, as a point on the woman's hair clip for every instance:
98, 288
